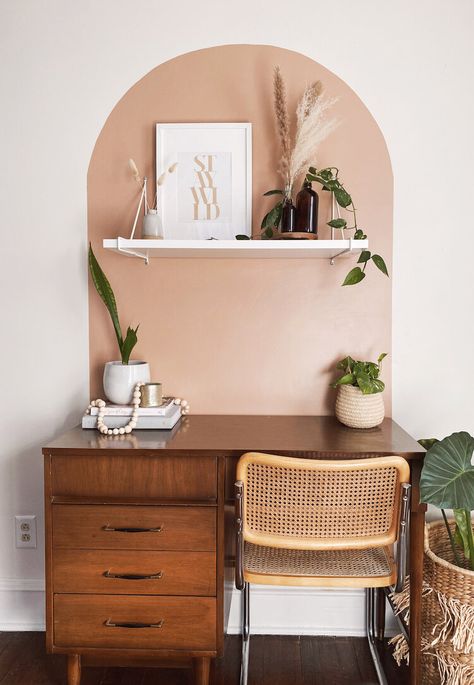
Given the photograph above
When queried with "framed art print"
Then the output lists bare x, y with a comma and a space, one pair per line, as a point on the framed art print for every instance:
209, 196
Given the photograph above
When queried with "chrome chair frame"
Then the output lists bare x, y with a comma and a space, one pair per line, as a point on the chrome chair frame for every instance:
375, 633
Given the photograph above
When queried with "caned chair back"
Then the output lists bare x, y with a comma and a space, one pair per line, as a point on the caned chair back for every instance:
314, 504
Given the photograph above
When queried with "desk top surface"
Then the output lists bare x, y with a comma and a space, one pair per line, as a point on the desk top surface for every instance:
233, 435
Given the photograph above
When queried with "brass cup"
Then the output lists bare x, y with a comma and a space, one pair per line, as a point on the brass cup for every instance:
152, 395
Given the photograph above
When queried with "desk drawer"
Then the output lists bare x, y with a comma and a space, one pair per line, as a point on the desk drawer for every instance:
151, 528
134, 476
93, 621
163, 573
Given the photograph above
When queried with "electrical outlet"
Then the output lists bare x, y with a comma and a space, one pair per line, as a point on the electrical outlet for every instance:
25, 531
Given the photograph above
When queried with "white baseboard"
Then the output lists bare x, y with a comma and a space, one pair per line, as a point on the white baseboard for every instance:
304, 611
21, 585
274, 611
21, 604
28, 627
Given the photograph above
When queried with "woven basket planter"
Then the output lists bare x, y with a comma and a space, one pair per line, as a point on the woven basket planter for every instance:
356, 410
447, 614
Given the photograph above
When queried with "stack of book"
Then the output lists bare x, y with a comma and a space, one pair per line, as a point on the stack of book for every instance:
163, 417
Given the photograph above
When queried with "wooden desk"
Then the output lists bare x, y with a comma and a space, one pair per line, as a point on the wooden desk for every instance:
157, 505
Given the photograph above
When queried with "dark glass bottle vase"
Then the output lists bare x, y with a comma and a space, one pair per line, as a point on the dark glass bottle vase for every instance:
307, 203
288, 216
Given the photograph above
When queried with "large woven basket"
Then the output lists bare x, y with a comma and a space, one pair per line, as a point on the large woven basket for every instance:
356, 410
447, 614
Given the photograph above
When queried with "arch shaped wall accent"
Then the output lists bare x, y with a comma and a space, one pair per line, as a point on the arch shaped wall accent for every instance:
241, 336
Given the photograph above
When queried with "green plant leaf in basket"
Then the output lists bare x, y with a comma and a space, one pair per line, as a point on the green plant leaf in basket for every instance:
447, 479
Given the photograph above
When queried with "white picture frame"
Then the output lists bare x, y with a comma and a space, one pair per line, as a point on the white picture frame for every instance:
209, 195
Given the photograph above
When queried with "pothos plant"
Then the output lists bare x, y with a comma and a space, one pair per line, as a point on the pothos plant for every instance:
106, 293
363, 375
328, 178
447, 481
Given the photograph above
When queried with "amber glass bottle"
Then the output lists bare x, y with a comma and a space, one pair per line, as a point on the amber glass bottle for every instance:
288, 216
307, 202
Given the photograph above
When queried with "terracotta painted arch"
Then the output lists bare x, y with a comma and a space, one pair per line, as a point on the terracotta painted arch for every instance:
241, 336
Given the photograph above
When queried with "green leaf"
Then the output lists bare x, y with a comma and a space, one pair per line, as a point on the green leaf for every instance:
268, 233
326, 174
342, 196
364, 257
337, 223
311, 178
348, 379
128, 344
365, 383
272, 219
354, 276
379, 263
273, 192
106, 293
381, 357
329, 184
462, 530
428, 442
346, 364
447, 478
241, 236
379, 386
359, 235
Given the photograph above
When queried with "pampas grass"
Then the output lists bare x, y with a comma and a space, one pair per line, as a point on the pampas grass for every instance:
135, 173
282, 121
312, 127
161, 179
142, 181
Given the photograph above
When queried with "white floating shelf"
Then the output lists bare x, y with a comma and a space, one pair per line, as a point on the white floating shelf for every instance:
236, 249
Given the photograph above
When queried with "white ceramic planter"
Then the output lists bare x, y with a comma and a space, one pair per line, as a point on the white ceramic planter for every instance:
120, 380
356, 410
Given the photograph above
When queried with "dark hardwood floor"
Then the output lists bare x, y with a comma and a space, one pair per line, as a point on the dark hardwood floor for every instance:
274, 660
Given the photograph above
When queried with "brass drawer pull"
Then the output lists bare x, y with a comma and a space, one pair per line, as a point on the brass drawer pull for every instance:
132, 624
134, 576
110, 529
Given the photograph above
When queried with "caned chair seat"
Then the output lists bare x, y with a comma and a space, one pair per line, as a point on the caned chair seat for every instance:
373, 567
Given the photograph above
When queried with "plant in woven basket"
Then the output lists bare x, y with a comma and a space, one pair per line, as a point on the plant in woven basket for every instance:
359, 400
447, 481
363, 375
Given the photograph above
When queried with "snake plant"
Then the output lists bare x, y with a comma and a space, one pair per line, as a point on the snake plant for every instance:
106, 293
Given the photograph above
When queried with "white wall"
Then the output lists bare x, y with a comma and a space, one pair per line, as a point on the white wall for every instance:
63, 66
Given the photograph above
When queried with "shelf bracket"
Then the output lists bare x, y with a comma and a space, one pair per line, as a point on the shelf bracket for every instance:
339, 254
132, 253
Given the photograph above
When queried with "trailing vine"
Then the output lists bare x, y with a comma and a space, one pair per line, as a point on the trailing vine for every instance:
328, 178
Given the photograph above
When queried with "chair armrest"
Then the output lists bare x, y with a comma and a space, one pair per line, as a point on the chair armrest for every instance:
239, 538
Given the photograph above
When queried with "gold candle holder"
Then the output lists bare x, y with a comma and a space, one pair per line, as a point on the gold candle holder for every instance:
152, 395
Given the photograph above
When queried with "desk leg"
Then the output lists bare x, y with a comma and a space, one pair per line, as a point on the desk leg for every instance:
202, 667
417, 527
73, 669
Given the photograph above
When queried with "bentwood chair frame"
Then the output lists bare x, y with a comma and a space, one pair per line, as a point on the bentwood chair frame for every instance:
308, 522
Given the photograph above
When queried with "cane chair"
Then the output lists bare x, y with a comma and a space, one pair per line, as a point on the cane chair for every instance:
305, 522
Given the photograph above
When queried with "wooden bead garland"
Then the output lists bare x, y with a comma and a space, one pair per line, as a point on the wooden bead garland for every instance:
100, 404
